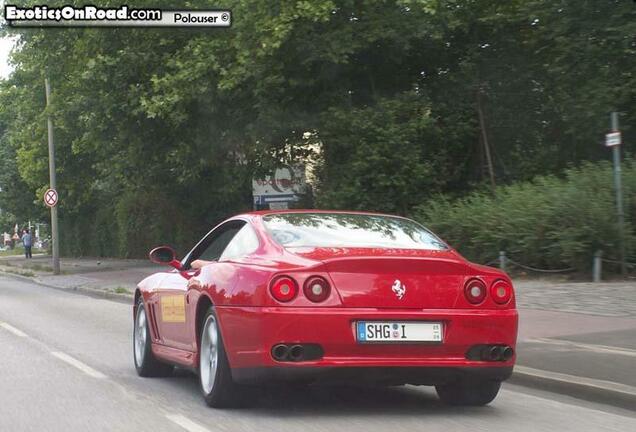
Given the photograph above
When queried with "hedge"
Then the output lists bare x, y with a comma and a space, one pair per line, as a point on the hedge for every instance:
550, 222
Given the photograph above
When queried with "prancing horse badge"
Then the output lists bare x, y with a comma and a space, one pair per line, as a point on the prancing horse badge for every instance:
399, 289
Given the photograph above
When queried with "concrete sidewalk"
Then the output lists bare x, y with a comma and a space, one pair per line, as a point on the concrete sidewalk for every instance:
579, 329
583, 355
119, 276
574, 338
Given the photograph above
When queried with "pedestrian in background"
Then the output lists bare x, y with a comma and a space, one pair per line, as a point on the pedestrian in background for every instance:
27, 241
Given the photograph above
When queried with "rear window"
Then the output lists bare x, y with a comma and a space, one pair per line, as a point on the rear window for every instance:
349, 230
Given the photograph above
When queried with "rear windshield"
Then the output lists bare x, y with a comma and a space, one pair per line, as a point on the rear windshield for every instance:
349, 230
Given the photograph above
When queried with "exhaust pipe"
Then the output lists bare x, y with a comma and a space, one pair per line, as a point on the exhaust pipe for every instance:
507, 353
490, 353
296, 352
495, 353
280, 352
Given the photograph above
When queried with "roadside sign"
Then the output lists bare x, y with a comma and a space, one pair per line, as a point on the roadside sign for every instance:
612, 139
278, 189
50, 197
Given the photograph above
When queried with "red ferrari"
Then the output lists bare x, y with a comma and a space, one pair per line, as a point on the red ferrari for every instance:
324, 296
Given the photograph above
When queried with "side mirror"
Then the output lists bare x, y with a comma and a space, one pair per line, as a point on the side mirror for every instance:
164, 255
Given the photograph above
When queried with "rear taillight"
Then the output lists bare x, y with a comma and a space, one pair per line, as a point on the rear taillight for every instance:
283, 289
501, 292
475, 291
316, 289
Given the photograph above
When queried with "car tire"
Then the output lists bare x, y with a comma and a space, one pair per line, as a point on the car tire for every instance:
215, 376
468, 393
146, 364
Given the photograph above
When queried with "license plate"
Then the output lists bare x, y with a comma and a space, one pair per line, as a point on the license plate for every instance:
393, 331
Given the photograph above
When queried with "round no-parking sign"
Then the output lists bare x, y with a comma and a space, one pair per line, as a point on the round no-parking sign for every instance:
50, 197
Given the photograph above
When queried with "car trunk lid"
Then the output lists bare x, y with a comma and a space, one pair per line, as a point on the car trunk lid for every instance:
392, 278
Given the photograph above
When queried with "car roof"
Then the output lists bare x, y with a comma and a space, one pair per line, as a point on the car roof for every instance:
314, 211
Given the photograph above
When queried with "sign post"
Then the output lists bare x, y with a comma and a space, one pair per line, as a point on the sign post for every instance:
613, 139
52, 185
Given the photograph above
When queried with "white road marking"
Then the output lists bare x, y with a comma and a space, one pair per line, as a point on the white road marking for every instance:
587, 347
78, 364
186, 423
60, 355
13, 330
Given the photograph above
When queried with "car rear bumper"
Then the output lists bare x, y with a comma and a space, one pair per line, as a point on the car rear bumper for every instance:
250, 333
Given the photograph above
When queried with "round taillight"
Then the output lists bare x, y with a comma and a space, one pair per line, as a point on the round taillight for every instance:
283, 289
316, 289
501, 292
475, 291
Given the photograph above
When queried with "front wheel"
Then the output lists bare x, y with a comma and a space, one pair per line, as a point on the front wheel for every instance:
146, 363
215, 377
470, 393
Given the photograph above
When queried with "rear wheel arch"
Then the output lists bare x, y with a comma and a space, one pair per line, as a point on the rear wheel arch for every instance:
202, 307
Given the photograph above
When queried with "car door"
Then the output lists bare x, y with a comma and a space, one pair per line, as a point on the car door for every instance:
221, 276
175, 320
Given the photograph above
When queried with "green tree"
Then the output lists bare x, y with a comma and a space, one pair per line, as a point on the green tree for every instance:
159, 131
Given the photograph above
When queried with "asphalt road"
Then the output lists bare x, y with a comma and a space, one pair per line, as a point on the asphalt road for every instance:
66, 365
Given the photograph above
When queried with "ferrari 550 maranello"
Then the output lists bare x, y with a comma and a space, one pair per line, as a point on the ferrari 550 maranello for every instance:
318, 297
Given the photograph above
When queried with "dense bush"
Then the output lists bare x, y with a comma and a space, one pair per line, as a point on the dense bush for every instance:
135, 221
550, 222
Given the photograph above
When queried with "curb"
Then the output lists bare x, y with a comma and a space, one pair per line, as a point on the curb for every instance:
590, 389
91, 292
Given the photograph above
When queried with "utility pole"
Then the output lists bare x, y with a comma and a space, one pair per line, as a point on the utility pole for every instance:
53, 185
484, 136
613, 139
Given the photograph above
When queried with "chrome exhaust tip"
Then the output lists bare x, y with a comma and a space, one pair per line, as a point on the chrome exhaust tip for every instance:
507, 353
296, 352
495, 353
280, 352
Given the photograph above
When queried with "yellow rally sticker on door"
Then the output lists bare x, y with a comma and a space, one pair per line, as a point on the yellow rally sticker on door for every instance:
173, 309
